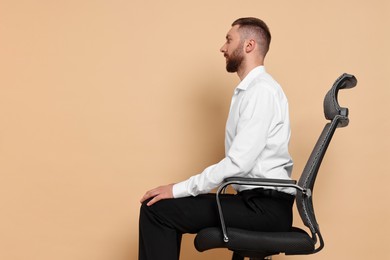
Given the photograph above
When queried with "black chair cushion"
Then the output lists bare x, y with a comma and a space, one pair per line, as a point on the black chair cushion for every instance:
296, 241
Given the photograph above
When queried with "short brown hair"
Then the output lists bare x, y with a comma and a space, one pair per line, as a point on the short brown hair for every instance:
255, 26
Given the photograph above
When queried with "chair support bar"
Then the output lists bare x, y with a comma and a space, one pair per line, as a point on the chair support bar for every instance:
254, 182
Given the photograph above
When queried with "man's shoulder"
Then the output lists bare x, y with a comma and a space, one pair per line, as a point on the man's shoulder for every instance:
265, 85
264, 82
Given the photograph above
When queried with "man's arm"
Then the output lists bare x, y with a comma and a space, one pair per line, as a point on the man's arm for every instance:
257, 116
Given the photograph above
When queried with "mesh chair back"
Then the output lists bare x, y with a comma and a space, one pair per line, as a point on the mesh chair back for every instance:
339, 118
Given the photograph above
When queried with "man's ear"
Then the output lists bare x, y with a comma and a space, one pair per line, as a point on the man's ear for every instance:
250, 45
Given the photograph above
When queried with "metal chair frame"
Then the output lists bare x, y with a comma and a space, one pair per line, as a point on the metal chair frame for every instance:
262, 245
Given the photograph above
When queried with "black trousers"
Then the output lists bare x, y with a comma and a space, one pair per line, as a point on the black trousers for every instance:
161, 225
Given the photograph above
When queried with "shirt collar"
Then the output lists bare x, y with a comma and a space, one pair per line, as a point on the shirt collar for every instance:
251, 75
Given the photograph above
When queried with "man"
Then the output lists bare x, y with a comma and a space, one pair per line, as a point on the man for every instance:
256, 145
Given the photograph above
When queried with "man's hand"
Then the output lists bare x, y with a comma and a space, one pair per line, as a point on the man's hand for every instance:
159, 193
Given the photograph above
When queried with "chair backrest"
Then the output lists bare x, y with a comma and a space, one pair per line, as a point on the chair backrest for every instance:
339, 118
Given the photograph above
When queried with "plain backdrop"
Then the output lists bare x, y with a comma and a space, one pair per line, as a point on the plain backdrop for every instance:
101, 100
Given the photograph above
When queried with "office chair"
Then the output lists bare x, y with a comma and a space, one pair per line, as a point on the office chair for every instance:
262, 245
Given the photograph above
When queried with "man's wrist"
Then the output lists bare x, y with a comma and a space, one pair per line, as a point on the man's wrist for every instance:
179, 190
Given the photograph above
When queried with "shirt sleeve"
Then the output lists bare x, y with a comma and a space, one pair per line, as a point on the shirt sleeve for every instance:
257, 114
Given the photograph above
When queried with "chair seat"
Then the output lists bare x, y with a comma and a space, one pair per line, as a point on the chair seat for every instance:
296, 241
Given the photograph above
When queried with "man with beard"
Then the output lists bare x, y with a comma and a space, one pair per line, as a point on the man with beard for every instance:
256, 146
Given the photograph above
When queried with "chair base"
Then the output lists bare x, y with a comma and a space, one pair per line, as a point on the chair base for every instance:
237, 256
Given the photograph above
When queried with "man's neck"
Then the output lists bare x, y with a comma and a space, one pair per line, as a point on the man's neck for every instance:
243, 71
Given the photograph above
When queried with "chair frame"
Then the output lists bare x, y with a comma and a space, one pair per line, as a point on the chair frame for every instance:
297, 241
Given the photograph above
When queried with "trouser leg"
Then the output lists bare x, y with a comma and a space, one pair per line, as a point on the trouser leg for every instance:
162, 224
156, 239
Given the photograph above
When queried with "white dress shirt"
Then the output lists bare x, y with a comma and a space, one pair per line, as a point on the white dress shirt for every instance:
256, 139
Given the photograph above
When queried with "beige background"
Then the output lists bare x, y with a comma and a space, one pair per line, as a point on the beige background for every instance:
102, 100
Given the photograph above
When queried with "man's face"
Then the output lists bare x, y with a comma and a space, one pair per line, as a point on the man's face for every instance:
233, 50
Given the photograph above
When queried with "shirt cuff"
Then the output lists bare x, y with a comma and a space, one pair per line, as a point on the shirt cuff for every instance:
179, 190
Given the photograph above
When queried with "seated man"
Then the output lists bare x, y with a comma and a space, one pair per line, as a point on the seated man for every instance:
257, 137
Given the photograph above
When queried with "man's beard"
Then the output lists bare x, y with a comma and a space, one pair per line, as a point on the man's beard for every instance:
234, 60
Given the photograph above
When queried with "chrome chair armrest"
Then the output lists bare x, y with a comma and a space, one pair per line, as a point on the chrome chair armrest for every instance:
253, 182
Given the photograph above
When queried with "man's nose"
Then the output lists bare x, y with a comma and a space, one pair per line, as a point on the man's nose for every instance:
223, 48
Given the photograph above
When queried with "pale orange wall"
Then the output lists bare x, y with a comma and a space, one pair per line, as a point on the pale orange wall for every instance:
102, 100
